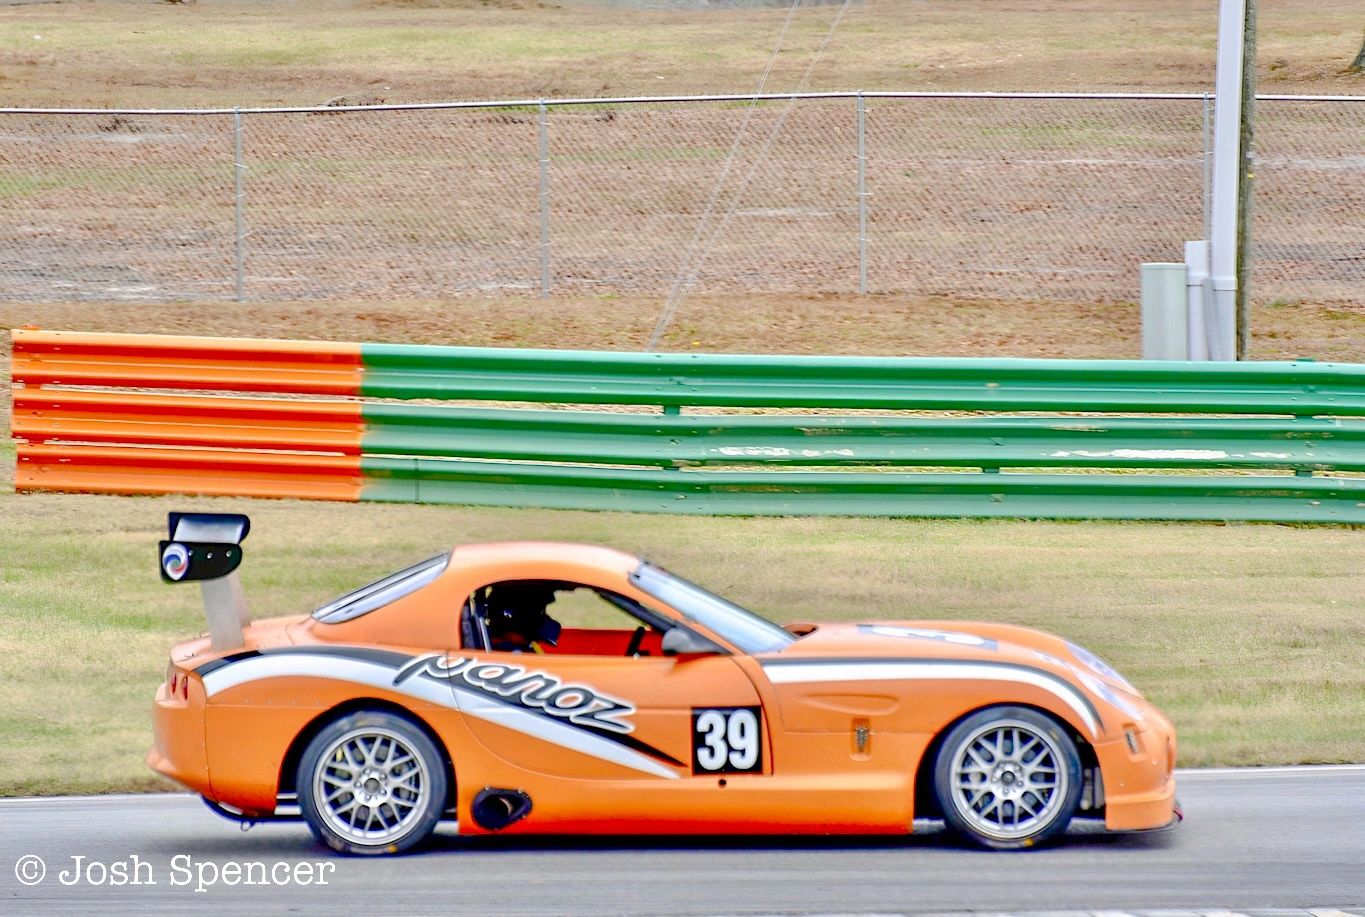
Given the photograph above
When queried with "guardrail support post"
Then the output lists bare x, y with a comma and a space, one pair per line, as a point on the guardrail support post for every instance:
239, 205
1196, 300
862, 193
543, 132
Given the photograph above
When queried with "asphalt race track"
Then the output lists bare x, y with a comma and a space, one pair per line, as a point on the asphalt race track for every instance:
1253, 840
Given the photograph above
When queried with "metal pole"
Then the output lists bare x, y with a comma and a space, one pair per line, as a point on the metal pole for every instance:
862, 194
1208, 165
544, 132
239, 203
1247, 118
1222, 335
1200, 298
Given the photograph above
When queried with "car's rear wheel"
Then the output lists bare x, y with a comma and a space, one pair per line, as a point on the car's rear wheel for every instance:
370, 783
1008, 777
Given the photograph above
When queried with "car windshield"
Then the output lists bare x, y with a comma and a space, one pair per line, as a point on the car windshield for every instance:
740, 627
382, 591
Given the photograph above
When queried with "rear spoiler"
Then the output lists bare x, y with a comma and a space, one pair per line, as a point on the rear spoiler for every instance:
206, 547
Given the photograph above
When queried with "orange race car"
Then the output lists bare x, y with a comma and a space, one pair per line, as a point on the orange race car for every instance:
562, 688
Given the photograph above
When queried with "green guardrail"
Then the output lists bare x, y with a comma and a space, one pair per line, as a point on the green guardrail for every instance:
1304, 444
1085, 416
894, 383
806, 493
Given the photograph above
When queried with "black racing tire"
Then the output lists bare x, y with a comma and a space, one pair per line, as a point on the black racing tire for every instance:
1008, 778
372, 783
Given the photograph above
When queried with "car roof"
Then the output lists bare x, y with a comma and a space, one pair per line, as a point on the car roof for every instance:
550, 552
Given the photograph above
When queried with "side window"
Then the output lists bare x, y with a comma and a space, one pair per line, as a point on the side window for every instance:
554, 617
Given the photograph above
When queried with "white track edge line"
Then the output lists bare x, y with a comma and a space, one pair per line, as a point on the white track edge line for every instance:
1268, 771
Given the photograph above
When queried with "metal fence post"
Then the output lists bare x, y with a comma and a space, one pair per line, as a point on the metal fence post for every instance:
862, 193
544, 138
1208, 165
239, 203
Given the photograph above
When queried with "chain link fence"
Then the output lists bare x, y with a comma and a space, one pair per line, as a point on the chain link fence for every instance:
1003, 196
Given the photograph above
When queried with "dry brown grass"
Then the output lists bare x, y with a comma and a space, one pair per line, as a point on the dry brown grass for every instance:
113, 53
758, 323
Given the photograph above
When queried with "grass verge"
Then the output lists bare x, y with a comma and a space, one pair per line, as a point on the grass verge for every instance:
1249, 636
120, 53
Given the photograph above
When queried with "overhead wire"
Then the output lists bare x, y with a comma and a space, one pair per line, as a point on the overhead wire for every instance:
674, 292
693, 264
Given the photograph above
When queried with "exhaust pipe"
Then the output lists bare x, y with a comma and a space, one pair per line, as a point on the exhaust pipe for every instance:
495, 808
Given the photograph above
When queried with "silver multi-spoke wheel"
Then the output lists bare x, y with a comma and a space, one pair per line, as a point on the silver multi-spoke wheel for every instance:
1008, 780
372, 782
1008, 777
372, 786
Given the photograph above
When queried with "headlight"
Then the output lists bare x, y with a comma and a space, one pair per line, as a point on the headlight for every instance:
1117, 698
1099, 666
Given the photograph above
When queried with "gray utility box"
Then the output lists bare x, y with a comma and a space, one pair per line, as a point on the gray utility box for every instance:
1165, 312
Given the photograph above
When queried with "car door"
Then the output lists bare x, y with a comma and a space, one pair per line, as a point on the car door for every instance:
595, 708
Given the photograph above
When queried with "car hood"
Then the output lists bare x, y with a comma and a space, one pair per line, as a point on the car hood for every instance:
973, 641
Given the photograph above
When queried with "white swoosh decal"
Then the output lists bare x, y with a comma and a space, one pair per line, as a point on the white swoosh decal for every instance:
804, 672
375, 675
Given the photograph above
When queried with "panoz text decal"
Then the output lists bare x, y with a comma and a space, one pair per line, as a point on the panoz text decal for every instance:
537, 691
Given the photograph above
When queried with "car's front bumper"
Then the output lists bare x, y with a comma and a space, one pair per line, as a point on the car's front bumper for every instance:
1139, 776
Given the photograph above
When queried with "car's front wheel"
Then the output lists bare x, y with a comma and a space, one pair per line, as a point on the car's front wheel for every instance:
1008, 777
370, 783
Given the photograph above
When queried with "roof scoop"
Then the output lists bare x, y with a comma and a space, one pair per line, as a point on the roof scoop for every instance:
206, 547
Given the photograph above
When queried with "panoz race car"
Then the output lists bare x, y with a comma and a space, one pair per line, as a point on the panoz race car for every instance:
562, 688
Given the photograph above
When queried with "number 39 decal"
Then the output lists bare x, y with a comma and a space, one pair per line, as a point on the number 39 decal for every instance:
727, 740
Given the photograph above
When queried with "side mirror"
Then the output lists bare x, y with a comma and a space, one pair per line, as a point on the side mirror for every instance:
679, 641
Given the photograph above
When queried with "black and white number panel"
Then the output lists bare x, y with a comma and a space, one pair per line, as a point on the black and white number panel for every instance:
727, 740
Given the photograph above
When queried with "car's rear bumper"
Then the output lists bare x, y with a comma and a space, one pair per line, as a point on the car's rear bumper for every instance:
178, 750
